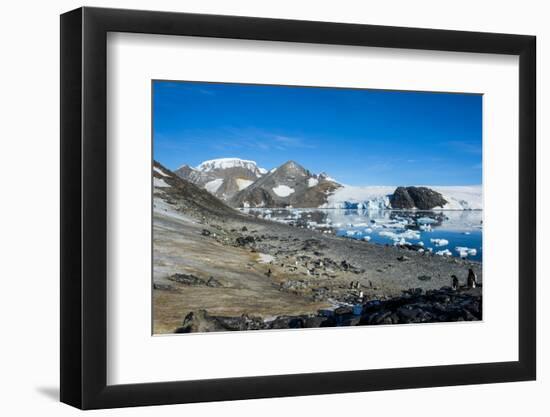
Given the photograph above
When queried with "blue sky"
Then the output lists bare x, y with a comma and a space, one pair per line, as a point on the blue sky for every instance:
359, 137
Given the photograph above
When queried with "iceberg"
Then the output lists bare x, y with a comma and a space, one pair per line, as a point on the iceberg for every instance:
464, 251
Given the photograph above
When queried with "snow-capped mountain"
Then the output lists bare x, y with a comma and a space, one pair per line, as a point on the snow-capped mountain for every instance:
227, 163
222, 177
288, 185
242, 183
381, 197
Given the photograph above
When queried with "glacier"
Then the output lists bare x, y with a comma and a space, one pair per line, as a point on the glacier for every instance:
378, 197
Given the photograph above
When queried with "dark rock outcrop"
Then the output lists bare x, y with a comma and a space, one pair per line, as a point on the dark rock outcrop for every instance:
414, 306
194, 281
417, 306
422, 198
202, 321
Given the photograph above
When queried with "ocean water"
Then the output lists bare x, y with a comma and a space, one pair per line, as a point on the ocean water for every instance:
443, 232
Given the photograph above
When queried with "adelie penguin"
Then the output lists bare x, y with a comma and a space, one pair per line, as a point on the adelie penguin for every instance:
472, 278
454, 282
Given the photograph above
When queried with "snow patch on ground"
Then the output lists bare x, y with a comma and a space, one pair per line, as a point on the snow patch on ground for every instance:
283, 190
242, 183
212, 186
265, 258
160, 183
162, 207
312, 182
159, 171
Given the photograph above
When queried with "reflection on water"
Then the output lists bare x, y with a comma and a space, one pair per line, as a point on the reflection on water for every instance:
444, 233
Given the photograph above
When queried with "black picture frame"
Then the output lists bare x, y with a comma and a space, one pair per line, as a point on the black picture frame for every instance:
84, 207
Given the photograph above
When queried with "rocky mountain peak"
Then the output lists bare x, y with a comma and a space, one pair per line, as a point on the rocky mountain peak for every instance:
292, 167
289, 185
223, 177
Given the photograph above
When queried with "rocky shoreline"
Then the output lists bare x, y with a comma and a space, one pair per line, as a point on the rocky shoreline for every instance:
414, 306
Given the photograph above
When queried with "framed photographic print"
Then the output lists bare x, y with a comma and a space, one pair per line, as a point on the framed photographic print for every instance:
258, 208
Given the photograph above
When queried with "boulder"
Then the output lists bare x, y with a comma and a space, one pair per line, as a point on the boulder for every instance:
187, 279
287, 322
244, 240
200, 321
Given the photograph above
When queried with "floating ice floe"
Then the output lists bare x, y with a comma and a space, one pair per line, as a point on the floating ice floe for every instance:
358, 224
393, 224
425, 220
410, 234
387, 233
445, 252
464, 251
439, 242
400, 237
